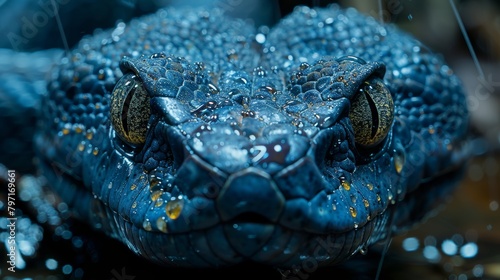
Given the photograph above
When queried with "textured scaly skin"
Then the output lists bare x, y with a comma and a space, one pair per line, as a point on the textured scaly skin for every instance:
249, 153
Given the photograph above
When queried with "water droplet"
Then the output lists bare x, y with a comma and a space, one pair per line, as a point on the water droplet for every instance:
158, 55
270, 89
153, 183
304, 66
366, 203
78, 129
363, 250
346, 185
213, 89
353, 211
199, 66
89, 135
410, 17
206, 108
174, 208
232, 54
155, 195
134, 205
259, 71
431, 130
161, 224
399, 159
159, 202
147, 225
390, 197
353, 198
81, 146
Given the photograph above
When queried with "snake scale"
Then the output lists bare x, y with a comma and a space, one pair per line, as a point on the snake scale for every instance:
199, 140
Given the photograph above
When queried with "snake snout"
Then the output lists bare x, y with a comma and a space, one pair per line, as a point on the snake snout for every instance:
250, 196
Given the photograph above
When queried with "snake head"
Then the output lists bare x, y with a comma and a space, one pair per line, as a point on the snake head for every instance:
202, 160
248, 155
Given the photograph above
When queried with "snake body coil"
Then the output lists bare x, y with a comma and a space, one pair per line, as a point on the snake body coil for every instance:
198, 145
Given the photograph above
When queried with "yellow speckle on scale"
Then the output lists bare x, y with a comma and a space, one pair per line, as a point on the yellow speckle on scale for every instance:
95, 151
378, 198
154, 182
174, 208
370, 186
161, 224
133, 187
431, 130
366, 203
89, 135
155, 195
81, 147
65, 131
78, 129
97, 106
353, 211
159, 202
134, 205
147, 225
346, 185
399, 161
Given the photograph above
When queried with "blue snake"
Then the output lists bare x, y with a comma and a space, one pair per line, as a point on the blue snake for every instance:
200, 141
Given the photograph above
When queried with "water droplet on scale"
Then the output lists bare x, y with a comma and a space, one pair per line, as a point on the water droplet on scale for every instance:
353, 211
161, 224
363, 250
174, 207
346, 185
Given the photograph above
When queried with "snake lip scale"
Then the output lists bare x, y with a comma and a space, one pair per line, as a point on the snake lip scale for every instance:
195, 145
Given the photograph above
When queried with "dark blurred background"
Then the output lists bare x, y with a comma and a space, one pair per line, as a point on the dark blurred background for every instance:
461, 241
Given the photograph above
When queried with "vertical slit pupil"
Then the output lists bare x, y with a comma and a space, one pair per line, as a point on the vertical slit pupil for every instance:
373, 111
126, 106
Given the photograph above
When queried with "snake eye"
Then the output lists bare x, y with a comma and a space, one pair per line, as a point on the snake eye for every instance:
130, 109
372, 113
